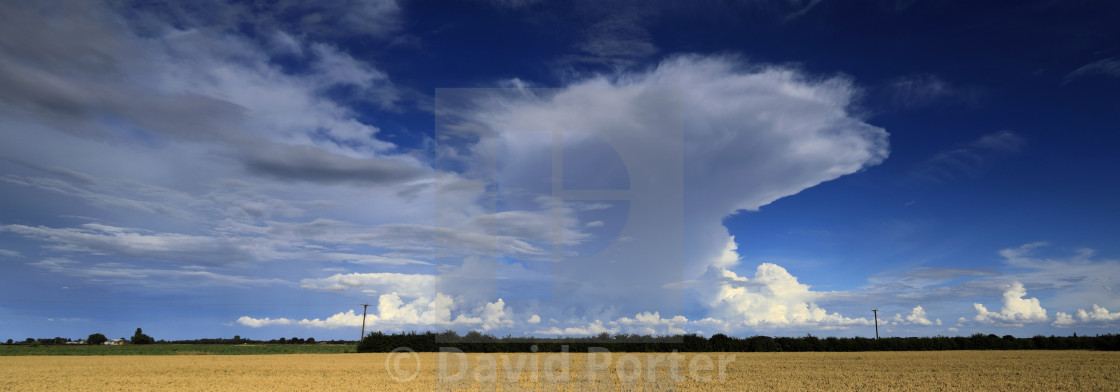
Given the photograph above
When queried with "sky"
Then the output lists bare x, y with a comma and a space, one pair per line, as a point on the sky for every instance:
208, 169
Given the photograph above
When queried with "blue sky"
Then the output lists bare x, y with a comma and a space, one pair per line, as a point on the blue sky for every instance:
211, 168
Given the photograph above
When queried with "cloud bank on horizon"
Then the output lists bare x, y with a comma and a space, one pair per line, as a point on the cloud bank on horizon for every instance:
265, 169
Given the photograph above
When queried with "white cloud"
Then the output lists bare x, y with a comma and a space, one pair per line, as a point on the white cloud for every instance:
590, 329
282, 42
409, 285
1099, 315
917, 316
9, 253
337, 68
730, 255
535, 319
262, 322
647, 323
494, 315
427, 311
393, 313
590, 206
1063, 319
1016, 309
772, 298
349, 318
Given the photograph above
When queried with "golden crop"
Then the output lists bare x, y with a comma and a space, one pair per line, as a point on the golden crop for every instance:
870, 371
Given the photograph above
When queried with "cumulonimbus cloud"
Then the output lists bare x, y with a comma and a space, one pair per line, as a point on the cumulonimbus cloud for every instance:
750, 134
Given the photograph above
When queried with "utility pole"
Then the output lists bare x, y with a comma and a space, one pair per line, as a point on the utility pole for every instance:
364, 306
876, 311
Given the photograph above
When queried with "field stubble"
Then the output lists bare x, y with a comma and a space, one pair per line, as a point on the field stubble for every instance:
867, 371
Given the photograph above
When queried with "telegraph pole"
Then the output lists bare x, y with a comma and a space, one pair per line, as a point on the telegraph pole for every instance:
876, 311
364, 306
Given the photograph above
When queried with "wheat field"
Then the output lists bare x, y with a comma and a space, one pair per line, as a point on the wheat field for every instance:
868, 371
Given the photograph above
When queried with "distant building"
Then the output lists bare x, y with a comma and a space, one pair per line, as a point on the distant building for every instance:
114, 342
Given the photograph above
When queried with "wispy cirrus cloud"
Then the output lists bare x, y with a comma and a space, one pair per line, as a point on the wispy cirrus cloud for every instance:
1105, 67
969, 160
215, 250
163, 278
922, 90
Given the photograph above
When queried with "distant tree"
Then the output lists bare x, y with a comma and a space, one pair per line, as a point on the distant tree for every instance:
720, 342
375, 342
310, 340
140, 338
29, 341
473, 336
237, 338
448, 336
96, 339
9, 341
283, 340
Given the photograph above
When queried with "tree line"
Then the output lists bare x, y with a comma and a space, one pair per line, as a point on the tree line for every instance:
475, 341
94, 339
141, 338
